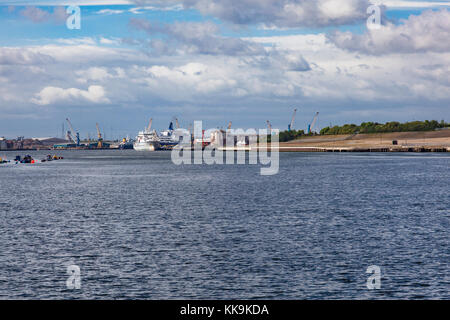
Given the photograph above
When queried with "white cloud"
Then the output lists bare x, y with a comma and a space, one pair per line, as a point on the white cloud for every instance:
394, 4
77, 41
37, 15
333, 80
66, 2
140, 10
22, 56
195, 37
98, 74
177, 5
110, 11
342, 75
109, 41
427, 32
93, 74
284, 13
49, 95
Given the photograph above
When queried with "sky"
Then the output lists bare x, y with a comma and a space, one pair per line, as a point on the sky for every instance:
245, 61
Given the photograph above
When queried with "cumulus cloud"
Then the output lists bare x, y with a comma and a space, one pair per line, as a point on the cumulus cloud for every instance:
337, 74
110, 11
196, 77
281, 13
38, 15
195, 37
246, 87
141, 9
427, 32
49, 95
212, 79
20, 56
98, 74
203, 38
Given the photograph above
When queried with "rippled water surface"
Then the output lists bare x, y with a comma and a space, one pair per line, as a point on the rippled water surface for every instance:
140, 227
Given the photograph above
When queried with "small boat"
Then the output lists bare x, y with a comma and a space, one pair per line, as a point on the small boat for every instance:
25, 159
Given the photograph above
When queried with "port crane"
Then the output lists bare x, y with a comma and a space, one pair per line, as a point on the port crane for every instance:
150, 125
191, 135
291, 125
269, 126
100, 139
76, 138
313, 122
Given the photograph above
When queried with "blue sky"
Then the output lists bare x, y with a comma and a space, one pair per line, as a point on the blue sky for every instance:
235, 61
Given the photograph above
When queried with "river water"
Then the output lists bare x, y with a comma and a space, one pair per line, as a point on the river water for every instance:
140, 227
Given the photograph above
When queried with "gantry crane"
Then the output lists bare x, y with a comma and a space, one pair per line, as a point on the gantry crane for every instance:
313, 122
150, 125
191, 134
100, 139
70, 134
291, 125
269, 126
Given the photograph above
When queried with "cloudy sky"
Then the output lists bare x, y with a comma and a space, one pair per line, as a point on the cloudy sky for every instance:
245, 61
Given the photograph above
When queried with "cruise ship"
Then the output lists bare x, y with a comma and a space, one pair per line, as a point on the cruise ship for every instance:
146, 141
167, 140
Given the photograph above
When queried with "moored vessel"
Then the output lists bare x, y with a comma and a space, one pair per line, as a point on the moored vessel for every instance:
146, 141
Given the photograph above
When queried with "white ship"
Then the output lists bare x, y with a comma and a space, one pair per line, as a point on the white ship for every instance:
147, 140
167, 139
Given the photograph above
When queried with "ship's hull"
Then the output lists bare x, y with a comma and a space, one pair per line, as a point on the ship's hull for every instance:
167, 145
126, 146
145, 146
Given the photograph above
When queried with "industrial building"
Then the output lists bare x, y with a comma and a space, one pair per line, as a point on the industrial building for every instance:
3, 145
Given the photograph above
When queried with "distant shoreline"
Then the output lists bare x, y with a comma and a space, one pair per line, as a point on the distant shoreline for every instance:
416, 141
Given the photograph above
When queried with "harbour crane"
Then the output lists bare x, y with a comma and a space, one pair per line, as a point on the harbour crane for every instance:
150, 125
313, 122
76, 138
291, 125
190, 132
100, 139
269, 126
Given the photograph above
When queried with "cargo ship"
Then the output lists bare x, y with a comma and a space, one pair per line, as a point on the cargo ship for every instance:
126, 144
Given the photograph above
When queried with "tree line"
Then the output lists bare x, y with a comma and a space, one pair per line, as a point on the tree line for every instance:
367, 127
393, 126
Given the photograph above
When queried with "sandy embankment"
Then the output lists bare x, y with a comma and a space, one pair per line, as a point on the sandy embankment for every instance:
435, 139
